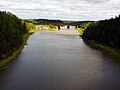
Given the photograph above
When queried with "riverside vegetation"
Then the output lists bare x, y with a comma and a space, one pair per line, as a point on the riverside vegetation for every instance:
13, 36
104, 34
14, 33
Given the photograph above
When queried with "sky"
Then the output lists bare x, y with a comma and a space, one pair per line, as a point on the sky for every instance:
62, 9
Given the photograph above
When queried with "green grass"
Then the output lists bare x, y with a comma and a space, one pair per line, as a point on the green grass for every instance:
4, 63
114, 52
33, 31
47, 27
54, 28
81, 31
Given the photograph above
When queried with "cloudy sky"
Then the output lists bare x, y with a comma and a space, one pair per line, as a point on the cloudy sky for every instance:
62, 9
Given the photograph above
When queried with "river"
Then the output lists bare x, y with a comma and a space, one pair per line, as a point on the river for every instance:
53, 61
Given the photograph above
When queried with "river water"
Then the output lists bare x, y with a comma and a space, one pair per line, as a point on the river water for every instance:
54, 61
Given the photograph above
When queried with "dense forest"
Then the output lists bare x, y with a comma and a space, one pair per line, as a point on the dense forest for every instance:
105, 32
80, 23
12, 30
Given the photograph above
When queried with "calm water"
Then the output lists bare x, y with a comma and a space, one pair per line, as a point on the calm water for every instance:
60, 62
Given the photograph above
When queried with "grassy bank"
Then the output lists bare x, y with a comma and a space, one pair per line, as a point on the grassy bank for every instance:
4, 63
110, 51
46, 27
80, 30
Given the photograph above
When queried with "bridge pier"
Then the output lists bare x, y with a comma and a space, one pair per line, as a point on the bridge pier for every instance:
59, 27
76, 27
68, 27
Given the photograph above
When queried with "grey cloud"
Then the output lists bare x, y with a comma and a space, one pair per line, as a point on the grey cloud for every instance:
96, 1
1, 5
62, 9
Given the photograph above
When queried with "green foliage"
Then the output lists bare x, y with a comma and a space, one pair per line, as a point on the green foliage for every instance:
45, 27
5, 63
30, 26
80, 30
83, 26
52, 27
105, 31
12, 30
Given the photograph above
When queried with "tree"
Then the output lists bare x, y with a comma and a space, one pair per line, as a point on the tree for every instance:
12, 30
104, 31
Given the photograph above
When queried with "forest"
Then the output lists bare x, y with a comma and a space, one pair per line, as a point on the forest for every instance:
105, 32
12, 30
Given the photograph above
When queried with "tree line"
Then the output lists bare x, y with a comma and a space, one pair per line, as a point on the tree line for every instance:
46, 21
12, 30
105, 32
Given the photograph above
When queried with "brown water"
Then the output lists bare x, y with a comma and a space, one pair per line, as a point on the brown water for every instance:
53, 61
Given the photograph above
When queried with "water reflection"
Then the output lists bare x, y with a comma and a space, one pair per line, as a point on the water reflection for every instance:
60, 62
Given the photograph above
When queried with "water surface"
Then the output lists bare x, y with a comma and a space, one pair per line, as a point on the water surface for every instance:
53, 61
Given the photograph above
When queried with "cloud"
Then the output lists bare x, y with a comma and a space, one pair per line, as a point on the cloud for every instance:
62, 9
96, 1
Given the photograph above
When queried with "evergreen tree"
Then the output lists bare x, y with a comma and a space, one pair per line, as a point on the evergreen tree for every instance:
105, 31
12, 30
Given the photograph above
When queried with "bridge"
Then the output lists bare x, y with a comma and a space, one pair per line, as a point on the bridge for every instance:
65, 31
67, 26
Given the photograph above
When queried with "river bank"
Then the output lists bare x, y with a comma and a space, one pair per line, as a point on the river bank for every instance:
5, 62
110, 51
